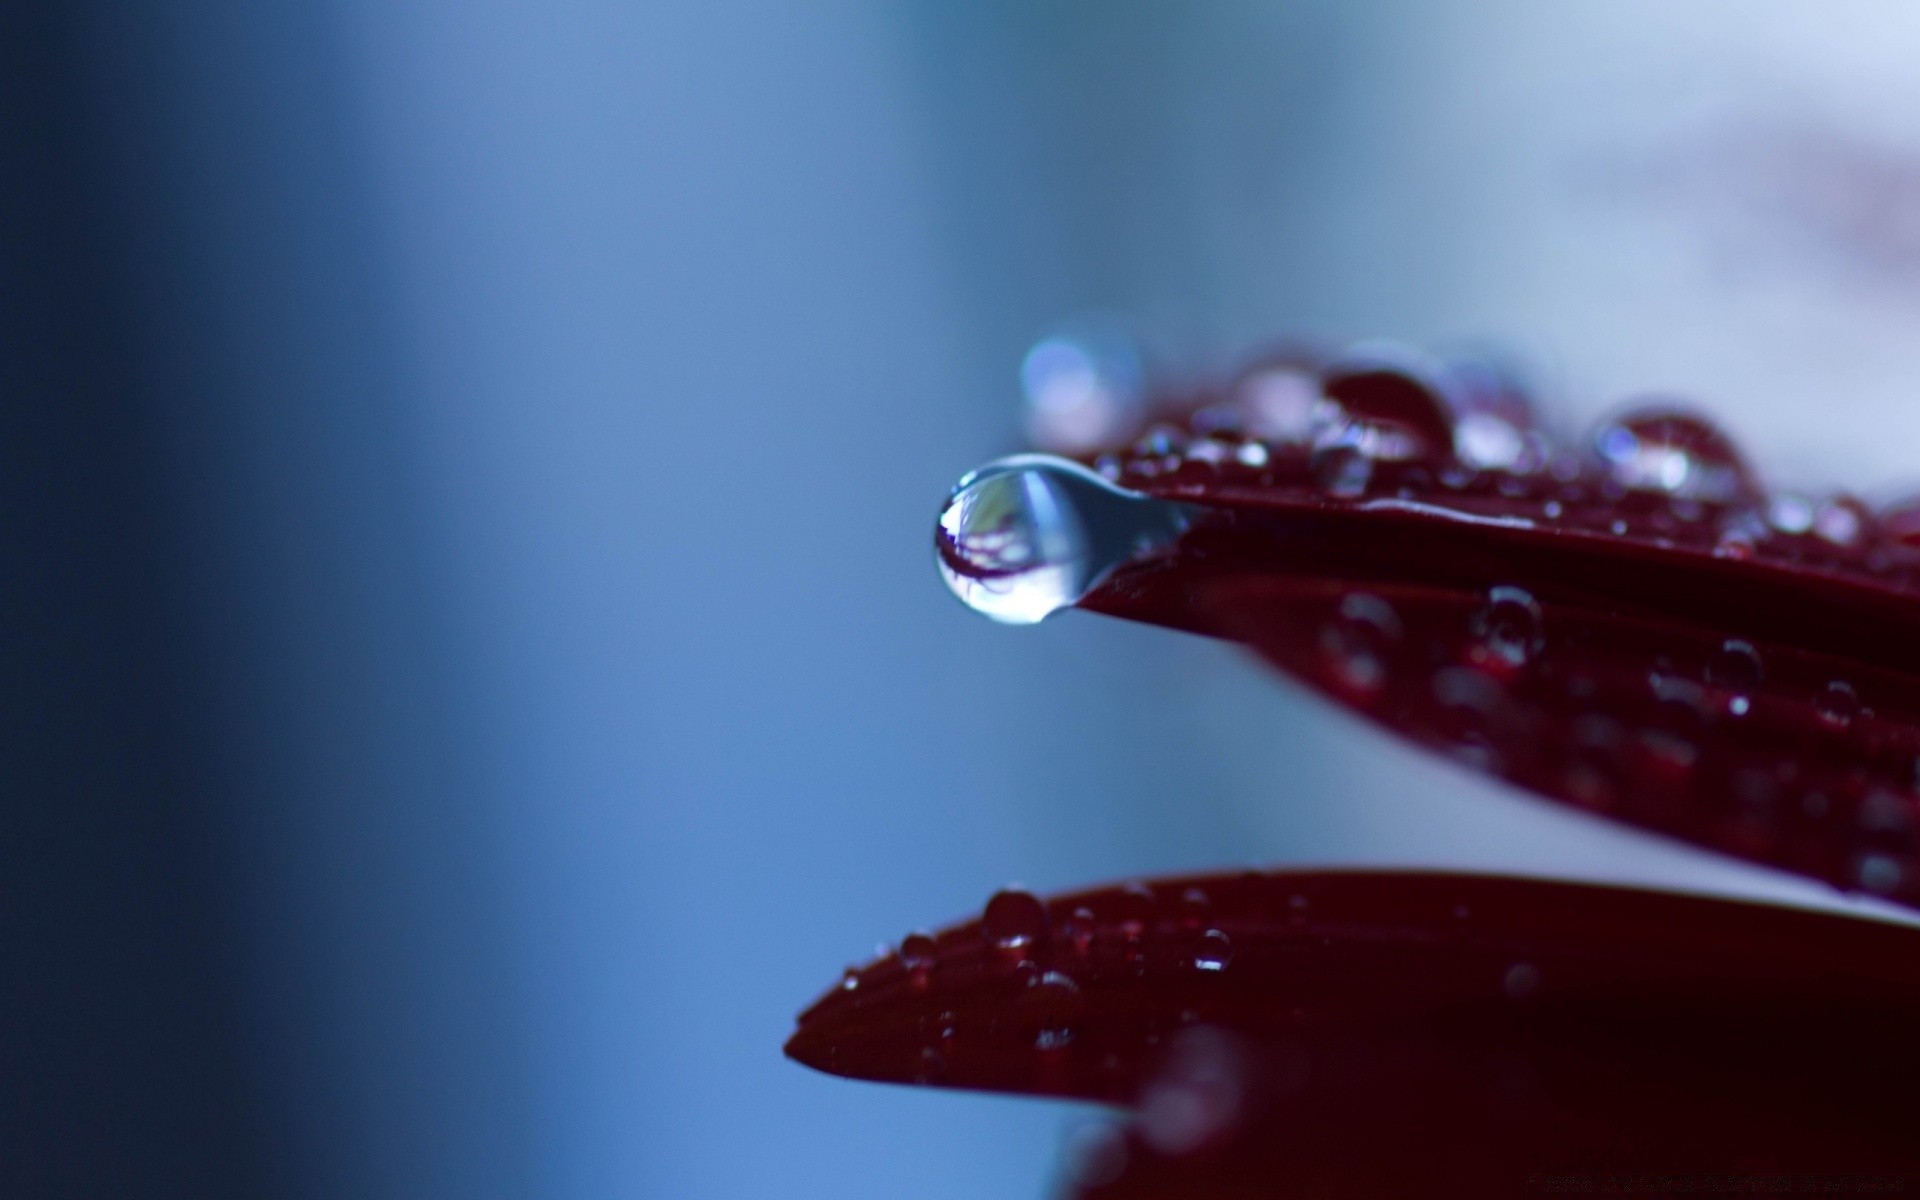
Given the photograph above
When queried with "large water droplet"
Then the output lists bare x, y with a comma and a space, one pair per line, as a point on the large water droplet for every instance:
1673, 453
1394, 413
1026, 536
1084, 389
1014, 921
1508, 628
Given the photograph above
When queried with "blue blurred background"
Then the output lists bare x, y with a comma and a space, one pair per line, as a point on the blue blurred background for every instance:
473, 662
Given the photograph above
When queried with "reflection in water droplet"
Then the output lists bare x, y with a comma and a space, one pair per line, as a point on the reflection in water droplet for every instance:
1359, 641
1509, 628
1026, 536
1083, 389
1839, 704
1673, 453
1215, 952
1014, 921
1736, 666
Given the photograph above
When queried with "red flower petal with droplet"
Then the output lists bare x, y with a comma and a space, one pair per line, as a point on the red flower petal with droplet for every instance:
1636, 628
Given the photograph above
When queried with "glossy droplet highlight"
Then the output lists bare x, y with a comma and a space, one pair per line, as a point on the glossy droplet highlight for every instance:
1014, 921
1027, 536
1509, 629
1053, 1002
1673, 453
1215, 952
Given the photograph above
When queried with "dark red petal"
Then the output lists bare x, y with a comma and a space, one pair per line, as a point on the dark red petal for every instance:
1688, 657
1814, 1015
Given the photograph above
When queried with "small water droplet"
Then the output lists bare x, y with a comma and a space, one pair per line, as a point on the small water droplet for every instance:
1026, 536
1193, 907
1215, 952
1843, 521
1360, 641
850, 980
1790, 512
1053, 1001
1133, 911
1014, 922
1077, 930
1521, 981
1251, 454
1673, 453
1393, 412
1509, 629
1739, 706
1736, 666
1084, 389
1838, 704
917, 953
1619, 527
1487, 442
1552, 509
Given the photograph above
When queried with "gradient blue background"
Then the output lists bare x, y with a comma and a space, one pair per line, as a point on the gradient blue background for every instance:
477, 664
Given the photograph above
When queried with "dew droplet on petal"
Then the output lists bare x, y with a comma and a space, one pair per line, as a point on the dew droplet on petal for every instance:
1736, 666
1508, 629
1393, 412
1026, 536
1014, 921
917, 954
1673, 453
1078, 929
1054, 1004
1790, 512
1842, 520
1215, 951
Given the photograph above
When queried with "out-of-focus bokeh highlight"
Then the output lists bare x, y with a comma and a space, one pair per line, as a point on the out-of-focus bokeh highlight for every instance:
474, 662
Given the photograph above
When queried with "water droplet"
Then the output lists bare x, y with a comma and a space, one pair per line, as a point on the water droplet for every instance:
1084, 389
1790, 512
1014, 921
1193, 907
1508, 628
1736, 666
1739, 706
1077, 930
1619, 527
1673, 453
1521, 981
1553, 510
1843, 521
1393, 413
917, 954
1281, 403
1026, 536
1359, 642
1251, 454
1485, 442
1053, 1003
850, 980
1215, 952
1839, 704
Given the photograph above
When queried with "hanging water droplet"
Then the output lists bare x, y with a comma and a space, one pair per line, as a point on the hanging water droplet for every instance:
1084, 389
1026, 536
1360, 640
1672, 453
1014, 921
1215, 952
1839, 704
1508, 628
